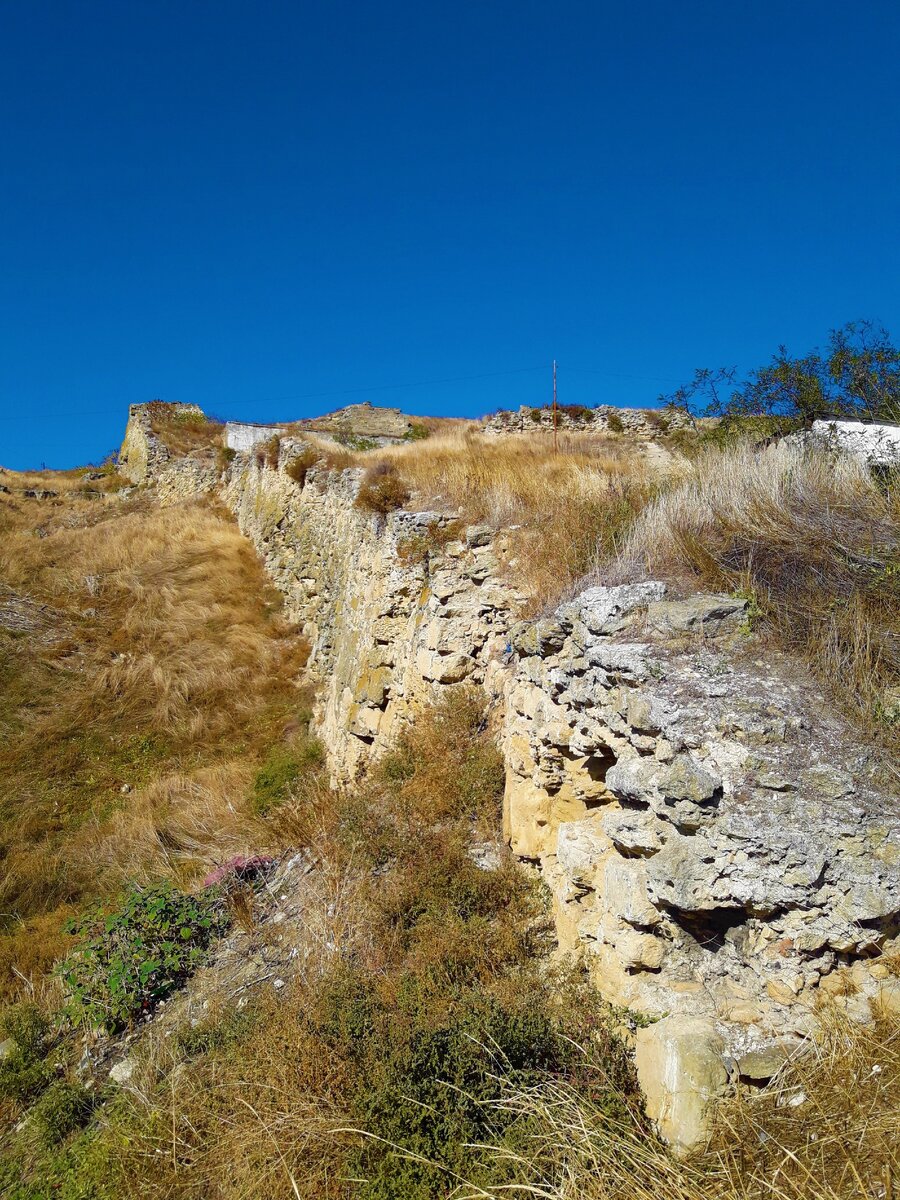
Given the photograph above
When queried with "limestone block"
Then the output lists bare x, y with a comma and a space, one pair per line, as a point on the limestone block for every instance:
640, 951
706, 612
624, 890
680, 1067
581, 847
443, 668
601, 609
634, 831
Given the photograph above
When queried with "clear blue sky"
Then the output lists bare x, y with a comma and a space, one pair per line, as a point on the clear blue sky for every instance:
275, 208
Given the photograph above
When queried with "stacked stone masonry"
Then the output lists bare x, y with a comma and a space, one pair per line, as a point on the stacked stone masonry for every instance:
719, 848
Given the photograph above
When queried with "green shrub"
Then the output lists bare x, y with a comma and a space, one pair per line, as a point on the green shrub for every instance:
284, 766
614, 423
225, 455
355, 442
28, 1027
64, 1107
24, 1073
431, 1091
416, 433
134, 956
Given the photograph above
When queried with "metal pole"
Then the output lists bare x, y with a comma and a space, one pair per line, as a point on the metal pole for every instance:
555, 438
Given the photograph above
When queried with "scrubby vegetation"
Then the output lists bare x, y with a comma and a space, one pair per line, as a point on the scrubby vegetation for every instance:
184, 429
428, 1044
129, 957
857, 375
426, 1051
382, 490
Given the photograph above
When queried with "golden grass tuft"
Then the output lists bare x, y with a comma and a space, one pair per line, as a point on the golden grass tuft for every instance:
824, 1129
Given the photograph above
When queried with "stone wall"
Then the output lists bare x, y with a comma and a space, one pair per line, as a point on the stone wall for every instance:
394, 607
640, 422
718, 847
717, 843
144, 458
241, 435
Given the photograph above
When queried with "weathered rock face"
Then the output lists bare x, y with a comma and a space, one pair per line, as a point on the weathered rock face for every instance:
365, 420
715, 843
876, 445
717, 847
603, 419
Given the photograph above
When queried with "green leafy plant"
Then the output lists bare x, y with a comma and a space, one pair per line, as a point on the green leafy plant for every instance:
355, 441
416, 433
24, 1073
283, 767
132, 957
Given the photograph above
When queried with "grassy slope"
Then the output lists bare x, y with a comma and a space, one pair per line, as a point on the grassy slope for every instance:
146, 671
136, 659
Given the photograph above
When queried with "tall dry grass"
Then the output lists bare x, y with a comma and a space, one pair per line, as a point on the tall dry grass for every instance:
813, 539
148, 670
826, 1128
562, 507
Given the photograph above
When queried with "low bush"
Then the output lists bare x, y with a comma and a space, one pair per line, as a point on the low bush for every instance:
382, 491
355, 442
614, 423
428, 1098
24, 1072
301, 463
284, 766
64, 1107
130, 958
416, 433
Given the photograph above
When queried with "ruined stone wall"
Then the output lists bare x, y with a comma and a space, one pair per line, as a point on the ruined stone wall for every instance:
394, 606
603, 419
720, 850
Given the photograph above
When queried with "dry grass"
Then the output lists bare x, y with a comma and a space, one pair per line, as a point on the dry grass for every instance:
184, 432
145, 669
824, 1129
812, 539
65, 483
565, 509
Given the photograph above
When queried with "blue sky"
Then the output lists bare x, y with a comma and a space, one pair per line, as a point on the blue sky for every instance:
272, 209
